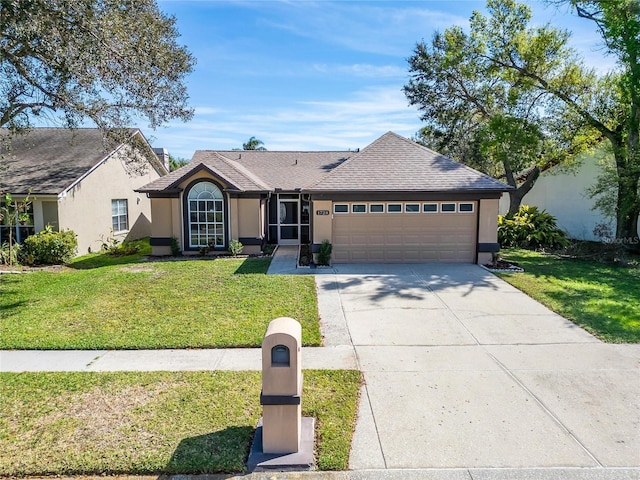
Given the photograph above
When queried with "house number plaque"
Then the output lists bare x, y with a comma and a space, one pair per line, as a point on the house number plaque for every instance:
322, 212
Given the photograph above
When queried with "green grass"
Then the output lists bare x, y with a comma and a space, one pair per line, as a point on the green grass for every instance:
602, 298
105, 302
154, 423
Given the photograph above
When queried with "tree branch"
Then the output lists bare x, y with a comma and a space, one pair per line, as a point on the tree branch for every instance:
544, 84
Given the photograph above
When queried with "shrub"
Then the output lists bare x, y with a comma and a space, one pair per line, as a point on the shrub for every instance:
49, 247
113, 247
175, 246
9, 255
530, 228
124, 249
268, 248
324, 254
235, 247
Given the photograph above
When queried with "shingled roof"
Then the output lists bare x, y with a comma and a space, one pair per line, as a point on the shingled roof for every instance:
254, 170
47, 161
395, 164
390, 164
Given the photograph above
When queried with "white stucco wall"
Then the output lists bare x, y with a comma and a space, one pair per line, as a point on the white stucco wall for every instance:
86, 207
564, 196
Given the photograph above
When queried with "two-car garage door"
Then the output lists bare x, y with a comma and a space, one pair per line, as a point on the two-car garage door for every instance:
404, 232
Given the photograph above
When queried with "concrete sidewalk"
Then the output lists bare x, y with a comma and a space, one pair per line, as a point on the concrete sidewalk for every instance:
405, 474
337, 357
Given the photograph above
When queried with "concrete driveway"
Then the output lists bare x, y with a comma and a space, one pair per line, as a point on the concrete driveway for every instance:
463, 370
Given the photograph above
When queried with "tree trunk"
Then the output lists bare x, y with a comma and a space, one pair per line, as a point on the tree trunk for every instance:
516, 196
628, 201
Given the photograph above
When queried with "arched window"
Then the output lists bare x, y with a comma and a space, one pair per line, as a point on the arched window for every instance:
206, 216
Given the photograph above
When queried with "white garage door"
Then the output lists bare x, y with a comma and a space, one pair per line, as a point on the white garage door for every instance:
404, 232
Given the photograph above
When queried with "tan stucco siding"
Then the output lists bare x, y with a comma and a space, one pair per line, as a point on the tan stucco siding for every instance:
488, 226
165, 213
249, 218
322, 224
234, 221
86, 207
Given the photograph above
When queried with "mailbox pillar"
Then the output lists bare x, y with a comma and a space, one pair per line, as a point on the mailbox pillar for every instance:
281, 395
284, 439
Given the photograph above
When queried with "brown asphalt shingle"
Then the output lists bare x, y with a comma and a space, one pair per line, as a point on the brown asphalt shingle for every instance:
391, 163
394, 163
253, 170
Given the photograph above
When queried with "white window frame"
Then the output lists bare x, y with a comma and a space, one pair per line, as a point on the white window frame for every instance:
473, 208
116, 218
209, 215
354, 205
410, 203
377, 204
336, 205
455, 207
394, 204
430, 203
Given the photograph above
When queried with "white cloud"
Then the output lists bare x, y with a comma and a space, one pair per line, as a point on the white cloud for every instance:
353, 122
361, 70
361, 26
206, 110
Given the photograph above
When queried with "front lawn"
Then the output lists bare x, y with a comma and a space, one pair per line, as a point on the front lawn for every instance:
154, 423
104, 302
602, 298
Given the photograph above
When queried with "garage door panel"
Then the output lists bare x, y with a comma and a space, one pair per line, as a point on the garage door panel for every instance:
404, 238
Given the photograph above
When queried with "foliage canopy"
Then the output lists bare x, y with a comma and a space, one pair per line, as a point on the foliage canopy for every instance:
108, 61
510, 99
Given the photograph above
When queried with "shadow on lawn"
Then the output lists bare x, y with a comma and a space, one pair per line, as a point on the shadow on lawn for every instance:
225, 451
10, 281
103, 260
253, 266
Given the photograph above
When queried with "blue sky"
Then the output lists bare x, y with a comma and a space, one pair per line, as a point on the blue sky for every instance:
314, 75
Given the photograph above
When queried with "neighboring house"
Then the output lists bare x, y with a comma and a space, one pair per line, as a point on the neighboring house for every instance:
394, 201
80, 183
563, 193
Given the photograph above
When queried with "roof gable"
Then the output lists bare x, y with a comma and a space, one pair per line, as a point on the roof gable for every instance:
394, 163
234, 175
255, 170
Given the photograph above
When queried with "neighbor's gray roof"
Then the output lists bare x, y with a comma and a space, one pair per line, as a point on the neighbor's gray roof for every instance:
254, 170
49, 160
394, 163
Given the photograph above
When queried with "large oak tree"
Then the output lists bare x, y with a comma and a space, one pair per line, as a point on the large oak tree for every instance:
520, 98
110, 62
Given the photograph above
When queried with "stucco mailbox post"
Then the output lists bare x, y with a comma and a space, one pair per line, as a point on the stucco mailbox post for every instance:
281, 395
284, 439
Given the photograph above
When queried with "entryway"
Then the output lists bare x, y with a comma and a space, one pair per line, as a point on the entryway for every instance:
289, 219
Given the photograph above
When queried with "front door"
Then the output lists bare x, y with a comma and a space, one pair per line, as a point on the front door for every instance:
289, 221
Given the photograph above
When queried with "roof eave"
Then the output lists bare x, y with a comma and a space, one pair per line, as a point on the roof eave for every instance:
406, 191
